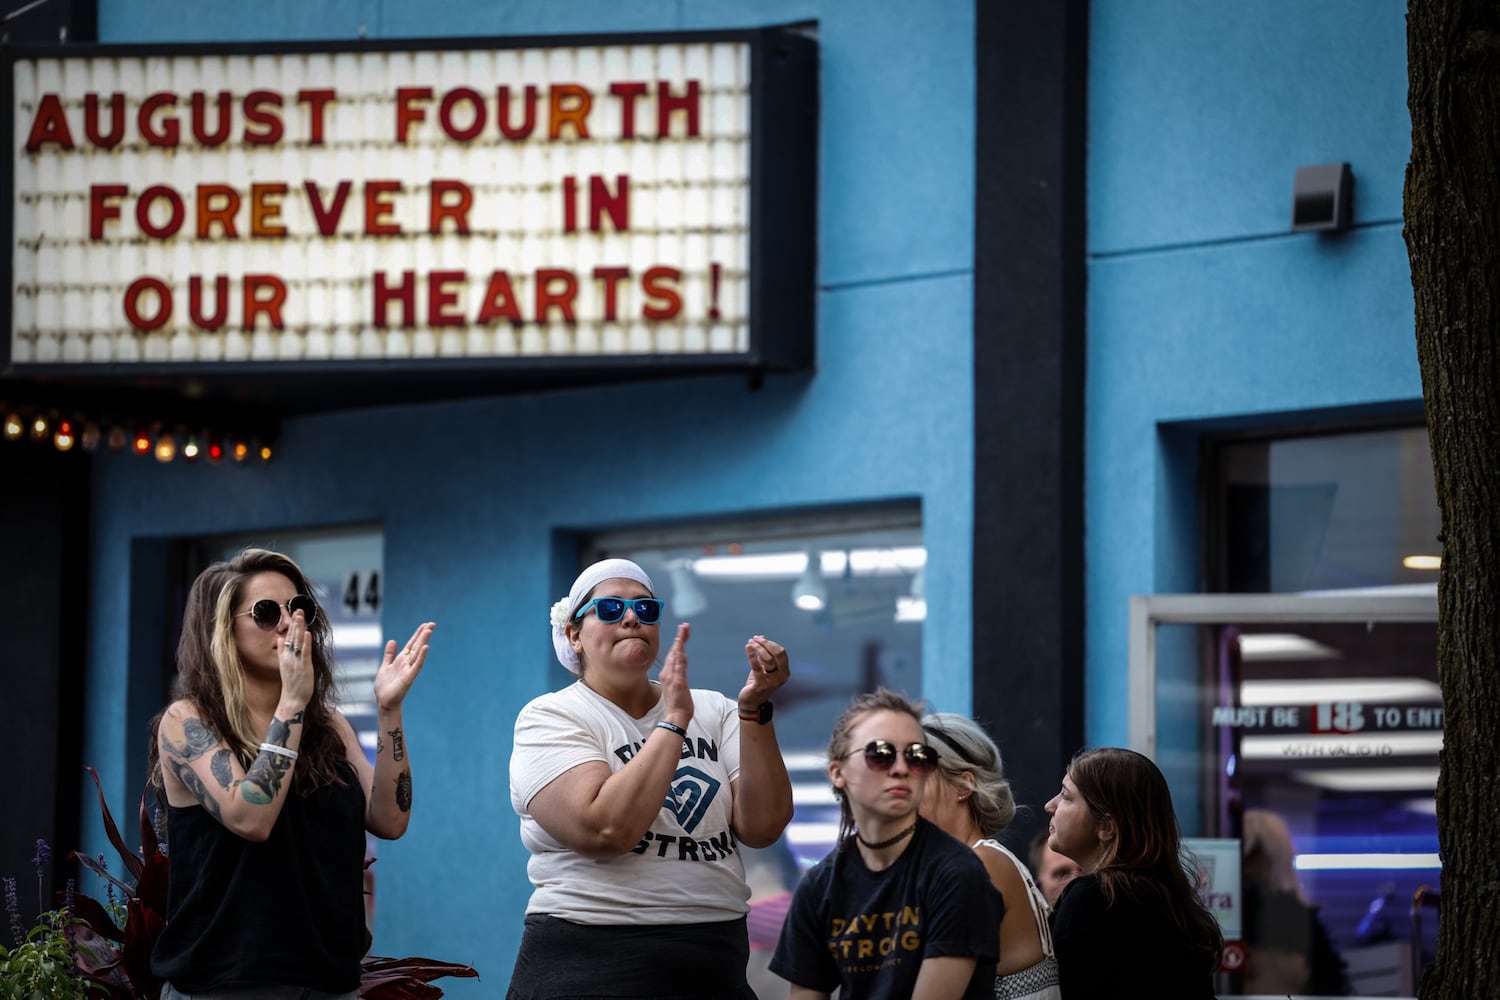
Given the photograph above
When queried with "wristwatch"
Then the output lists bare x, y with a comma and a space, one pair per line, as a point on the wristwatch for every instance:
760, 716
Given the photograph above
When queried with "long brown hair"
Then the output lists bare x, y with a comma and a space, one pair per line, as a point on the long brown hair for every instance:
211, 676
879, 700
1144, 859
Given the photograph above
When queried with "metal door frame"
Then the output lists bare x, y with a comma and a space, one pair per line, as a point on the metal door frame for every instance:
1149, 611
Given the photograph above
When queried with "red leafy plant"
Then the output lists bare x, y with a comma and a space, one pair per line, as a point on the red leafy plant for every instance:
115, 954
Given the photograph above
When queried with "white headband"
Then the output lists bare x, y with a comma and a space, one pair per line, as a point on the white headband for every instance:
564, 610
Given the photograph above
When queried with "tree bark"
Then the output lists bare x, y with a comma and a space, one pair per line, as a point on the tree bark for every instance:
1452, 231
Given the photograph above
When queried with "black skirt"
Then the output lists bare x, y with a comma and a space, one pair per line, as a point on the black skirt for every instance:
561, 960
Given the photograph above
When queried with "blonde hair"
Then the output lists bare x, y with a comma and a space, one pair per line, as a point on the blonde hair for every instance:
964, 748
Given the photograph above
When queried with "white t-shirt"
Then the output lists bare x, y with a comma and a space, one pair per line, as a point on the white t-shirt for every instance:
687, 868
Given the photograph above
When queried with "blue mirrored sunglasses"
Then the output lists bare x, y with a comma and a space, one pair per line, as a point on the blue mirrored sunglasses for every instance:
612, 609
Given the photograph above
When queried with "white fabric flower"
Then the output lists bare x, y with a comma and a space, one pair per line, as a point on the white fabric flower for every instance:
560, 613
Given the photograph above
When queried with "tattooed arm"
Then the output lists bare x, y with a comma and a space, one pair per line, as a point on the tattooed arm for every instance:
199, 768
388, 784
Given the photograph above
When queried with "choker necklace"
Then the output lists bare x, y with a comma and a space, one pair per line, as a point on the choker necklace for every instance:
887, 843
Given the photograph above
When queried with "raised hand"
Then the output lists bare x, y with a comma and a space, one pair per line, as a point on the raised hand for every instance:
399, 669
295, 663
678, 699
769, 669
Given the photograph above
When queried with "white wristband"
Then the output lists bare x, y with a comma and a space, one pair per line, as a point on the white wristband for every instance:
279, 751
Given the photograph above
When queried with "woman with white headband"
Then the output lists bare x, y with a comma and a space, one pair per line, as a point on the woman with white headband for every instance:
635, 796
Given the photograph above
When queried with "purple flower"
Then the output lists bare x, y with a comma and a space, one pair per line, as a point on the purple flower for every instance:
13, 907
43, 855
68, 927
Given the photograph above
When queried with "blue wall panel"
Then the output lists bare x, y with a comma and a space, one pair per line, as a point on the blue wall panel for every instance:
1200, 114
469, 494
1202, 306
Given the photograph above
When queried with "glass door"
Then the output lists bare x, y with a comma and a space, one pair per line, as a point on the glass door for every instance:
1300, 733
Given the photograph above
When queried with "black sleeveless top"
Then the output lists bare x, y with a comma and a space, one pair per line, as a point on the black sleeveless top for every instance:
290, 910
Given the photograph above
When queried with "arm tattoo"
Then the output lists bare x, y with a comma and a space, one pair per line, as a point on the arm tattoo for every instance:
190, 781
281, 730
220, 766
398, 745
198, 739
403, 791
263, 780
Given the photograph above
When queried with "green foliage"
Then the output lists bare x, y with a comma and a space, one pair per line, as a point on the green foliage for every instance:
41, 967
94, 950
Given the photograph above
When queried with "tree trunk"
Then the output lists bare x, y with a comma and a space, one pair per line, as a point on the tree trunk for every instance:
1452, 213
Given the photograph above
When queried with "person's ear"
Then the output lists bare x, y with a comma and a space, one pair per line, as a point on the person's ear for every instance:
836, 774
1105, 828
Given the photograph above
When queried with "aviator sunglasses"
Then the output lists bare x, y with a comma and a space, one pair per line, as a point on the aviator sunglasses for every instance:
267, 613
880, 755
612, 609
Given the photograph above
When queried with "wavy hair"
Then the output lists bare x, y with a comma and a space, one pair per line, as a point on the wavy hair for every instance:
212, 677
1144, 859
879, 700
964, 748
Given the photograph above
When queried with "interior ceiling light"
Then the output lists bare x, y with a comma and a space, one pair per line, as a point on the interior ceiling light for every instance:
887, 561
1372, 779
809, 592
1261, 646
1365, 862
1312, 690
1422, 562
912, 607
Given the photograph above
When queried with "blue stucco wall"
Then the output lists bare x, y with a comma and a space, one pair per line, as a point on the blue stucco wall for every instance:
468, 494
1202, 305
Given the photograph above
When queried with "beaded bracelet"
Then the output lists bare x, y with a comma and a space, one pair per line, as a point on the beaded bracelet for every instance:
672, 728
279, 751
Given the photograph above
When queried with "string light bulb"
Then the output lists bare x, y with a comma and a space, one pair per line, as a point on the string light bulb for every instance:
117, 438
39, 427
241, 451
265, 453
141, 444
215, 451
89, 439
63, 439
191, 449
14, 427
166, 447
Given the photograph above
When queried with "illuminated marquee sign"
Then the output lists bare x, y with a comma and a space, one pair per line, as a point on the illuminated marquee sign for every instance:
574, 203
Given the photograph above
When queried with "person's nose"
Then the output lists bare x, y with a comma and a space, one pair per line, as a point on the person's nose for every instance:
1051, 807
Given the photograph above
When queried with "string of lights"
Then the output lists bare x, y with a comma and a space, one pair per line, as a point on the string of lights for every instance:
137, 424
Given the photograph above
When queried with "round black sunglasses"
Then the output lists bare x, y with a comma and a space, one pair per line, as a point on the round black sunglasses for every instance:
267, 613
880, 755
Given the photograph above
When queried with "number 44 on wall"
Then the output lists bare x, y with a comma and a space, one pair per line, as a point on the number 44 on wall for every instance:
362, 593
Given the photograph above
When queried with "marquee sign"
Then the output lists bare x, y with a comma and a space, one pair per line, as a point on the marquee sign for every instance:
568, 203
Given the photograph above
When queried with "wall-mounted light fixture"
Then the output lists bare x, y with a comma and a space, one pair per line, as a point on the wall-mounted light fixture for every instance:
1322, 198
809, 592
687, 596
